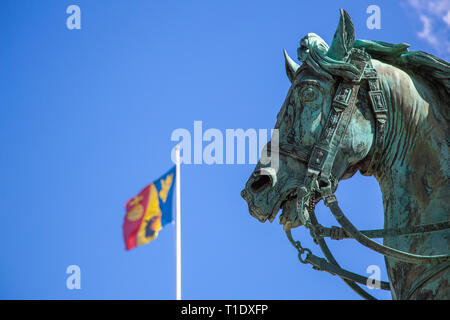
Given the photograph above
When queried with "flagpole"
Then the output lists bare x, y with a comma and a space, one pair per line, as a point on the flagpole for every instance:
178, 225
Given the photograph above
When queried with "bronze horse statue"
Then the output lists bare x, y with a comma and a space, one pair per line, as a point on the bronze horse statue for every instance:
380, 109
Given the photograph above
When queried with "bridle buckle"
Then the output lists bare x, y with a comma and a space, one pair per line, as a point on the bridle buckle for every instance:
324, 187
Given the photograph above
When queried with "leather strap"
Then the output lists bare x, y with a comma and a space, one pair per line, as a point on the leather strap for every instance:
379, 110
342, 109
382, 249
337, 233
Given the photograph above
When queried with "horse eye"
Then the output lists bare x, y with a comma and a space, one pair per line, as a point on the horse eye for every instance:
309, 94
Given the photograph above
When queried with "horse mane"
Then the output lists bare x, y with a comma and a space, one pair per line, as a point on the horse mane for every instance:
431, 69
435, 72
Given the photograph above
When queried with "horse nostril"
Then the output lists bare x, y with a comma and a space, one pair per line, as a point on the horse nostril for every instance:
260, 183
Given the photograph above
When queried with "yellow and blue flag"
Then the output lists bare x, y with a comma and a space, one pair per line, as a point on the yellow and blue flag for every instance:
149, 211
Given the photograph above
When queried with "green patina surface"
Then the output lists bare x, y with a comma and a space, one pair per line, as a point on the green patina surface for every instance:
413, 171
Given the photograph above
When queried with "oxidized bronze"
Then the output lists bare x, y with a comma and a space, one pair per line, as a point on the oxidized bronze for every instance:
380, 109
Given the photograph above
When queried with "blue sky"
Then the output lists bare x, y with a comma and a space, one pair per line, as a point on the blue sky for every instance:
86, 118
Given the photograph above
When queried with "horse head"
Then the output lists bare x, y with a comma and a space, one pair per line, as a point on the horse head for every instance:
385, 116
301, 122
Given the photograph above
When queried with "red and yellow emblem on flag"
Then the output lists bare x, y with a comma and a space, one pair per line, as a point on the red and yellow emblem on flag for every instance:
149, 211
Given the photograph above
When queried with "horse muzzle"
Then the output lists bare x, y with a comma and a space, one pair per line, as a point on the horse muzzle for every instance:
255, 211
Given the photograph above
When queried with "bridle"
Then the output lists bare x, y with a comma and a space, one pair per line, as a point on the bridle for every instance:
319, 183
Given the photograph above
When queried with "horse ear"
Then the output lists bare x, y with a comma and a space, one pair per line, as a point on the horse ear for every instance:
343, 39
291, 66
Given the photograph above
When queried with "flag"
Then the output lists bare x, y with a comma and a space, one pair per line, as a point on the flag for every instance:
149, 211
